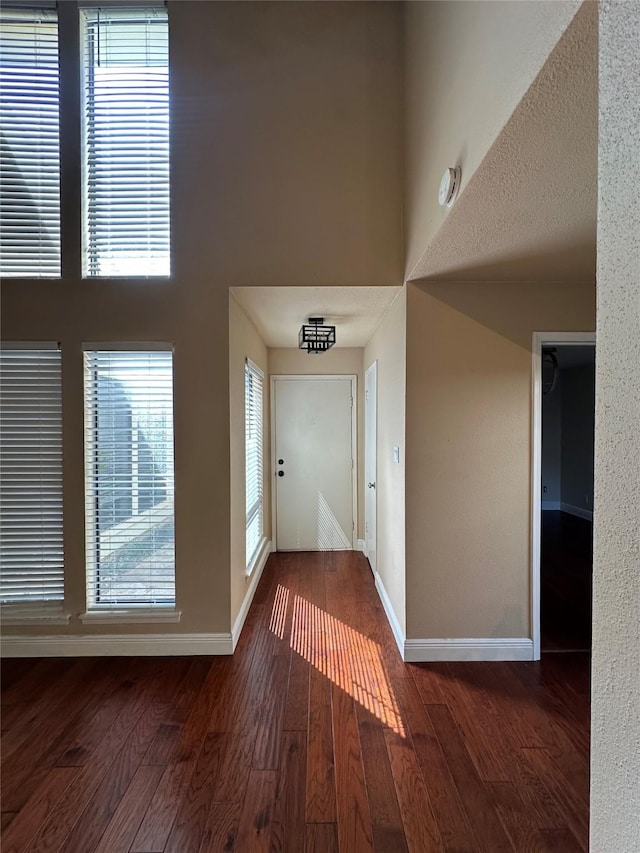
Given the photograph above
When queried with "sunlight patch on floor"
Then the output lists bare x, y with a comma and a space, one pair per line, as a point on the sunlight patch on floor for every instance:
346, 657
279, 611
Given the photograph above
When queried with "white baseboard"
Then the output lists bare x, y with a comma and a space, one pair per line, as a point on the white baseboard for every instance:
360, 545
489, 648
569, 508
577, 510
116, 645
555, 505
391, 614
261, 562
127, 645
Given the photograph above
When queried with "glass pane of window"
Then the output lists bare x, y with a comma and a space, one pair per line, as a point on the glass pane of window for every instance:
30, 144
125, 62
254, 463
31, 547
129, 478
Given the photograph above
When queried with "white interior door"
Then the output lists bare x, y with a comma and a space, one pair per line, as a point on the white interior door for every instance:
313, 462
370, 462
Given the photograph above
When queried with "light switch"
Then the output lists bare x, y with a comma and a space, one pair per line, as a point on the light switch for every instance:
396, 453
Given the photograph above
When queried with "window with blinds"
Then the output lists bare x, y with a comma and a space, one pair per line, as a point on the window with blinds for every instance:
129, 476
30, 143
31, 546
125, 62
254, 460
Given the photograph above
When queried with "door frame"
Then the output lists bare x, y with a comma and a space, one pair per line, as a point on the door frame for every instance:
373, 371
540, 340
315, 377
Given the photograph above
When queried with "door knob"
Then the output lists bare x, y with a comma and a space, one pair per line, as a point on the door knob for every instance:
372, 485
280, 473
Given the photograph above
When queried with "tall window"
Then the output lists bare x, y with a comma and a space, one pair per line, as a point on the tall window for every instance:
126, 141
129, 478
253, 388
30, 146
31, 548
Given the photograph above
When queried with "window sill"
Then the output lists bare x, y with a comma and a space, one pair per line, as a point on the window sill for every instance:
8, 618
133, 616
133, 279
257, 558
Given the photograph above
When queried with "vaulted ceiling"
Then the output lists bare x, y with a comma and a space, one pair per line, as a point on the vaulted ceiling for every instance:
528, 213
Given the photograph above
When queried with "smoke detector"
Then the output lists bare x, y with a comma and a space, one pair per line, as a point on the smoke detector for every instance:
449, 186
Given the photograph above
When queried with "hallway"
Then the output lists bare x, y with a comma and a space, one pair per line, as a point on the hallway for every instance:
314, 736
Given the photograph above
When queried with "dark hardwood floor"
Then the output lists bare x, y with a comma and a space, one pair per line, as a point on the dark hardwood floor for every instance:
566, 568
314, 736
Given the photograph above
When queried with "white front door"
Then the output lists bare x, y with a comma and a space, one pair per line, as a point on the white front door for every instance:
370, 463
313, 462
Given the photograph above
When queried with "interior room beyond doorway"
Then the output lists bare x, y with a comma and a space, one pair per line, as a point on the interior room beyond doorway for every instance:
568, 401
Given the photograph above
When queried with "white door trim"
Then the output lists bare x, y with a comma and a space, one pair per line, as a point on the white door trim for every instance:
317, 377
541, 339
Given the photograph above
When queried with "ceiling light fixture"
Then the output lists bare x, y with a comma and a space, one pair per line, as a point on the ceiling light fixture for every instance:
315, 337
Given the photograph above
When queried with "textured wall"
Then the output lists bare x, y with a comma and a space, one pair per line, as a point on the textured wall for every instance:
467, 67
528, 212
615, 755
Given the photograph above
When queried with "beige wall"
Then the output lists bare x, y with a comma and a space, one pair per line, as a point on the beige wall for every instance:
469, 451
72, 312
387, 348
285, 158
244, 342
339, 360
467, 66
615, 692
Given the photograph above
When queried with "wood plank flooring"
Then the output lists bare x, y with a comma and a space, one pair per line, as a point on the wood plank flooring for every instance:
314, 736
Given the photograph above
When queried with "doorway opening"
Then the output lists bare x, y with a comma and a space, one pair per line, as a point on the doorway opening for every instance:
564, 405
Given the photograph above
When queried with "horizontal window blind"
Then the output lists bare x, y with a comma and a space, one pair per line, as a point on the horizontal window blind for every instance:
30, 144
129, 476
31, 545
126, 141
254, 461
